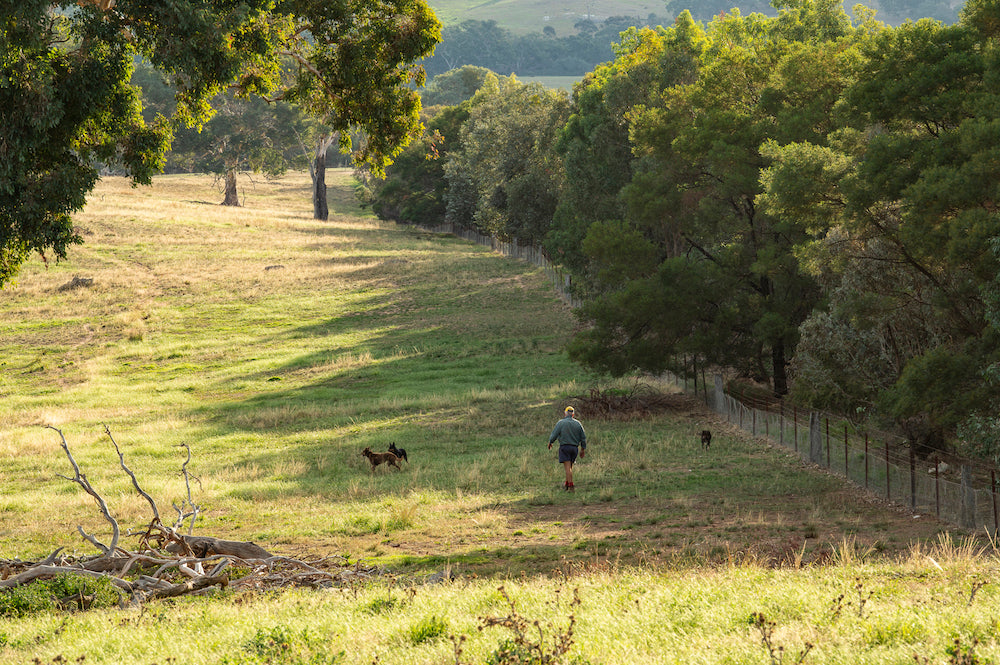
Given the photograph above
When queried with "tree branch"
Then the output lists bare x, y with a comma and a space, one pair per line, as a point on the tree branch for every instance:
81, 480
135, 483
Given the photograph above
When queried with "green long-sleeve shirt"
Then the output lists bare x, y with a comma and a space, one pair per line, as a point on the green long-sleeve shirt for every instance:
569, 432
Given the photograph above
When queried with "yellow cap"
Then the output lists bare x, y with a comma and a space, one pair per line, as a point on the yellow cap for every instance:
570, 409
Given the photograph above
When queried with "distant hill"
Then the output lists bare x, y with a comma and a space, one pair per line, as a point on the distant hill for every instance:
548, 38
526, 16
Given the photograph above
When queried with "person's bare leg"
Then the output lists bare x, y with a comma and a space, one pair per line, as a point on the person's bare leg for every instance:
569, 473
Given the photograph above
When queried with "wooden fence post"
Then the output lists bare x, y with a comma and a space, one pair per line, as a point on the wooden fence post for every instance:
827, 443
847, 468
781, 423
815, 439
993, 493
866, 460
937, 490
795, 426
968, 513
887, 495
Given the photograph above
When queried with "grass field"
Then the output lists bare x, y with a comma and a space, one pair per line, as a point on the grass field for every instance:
277, 347
523, 16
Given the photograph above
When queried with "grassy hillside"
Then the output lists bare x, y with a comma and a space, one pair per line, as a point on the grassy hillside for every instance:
277, 347
522, 16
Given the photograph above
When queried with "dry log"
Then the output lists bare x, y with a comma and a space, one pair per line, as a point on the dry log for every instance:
205, 546
190, 586
176, 554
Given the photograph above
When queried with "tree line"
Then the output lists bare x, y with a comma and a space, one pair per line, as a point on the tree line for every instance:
68, 109
808, 198
546, 53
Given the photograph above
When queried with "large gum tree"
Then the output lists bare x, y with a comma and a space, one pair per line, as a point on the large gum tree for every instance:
67, 109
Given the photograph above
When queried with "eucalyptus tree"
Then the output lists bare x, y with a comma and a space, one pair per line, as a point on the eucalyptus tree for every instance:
907, 188
594, 144
505, 177
719, 276
66, 105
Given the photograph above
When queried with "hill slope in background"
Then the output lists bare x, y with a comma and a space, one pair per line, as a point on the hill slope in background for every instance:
523, 16
528, 16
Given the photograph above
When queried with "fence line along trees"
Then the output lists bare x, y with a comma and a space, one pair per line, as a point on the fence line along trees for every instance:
907, 185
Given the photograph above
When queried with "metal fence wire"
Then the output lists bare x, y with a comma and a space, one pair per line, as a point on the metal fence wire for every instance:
957, 490
560, 278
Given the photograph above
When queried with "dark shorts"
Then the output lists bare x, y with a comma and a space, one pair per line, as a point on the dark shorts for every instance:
567, 453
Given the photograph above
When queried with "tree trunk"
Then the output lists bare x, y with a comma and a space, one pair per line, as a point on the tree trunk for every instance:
780, 370
232, 196
320, 208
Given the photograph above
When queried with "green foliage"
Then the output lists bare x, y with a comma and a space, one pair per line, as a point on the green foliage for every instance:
908, 210
454, 86
488, 44
427, 629
65, 591
528, 643
414, 188
281, 645
505, 177
68, 108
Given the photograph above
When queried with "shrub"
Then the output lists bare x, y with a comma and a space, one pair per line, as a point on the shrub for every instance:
428, 629
67, 591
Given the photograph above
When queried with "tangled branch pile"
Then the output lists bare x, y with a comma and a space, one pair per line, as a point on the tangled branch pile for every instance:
637, 402
167, 563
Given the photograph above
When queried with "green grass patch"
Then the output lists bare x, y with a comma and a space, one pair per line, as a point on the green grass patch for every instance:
371, 334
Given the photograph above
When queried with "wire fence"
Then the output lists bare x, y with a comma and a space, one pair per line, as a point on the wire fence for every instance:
958, 490
560, 278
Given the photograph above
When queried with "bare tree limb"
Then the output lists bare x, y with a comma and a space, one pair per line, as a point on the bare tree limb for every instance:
190, 585
81, 480
135, 483
195, 509
37, 572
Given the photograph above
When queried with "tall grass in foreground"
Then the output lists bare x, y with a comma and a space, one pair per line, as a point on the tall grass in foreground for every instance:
916, 610
277, 347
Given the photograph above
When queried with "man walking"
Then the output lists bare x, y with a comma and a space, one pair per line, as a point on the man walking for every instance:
572, 439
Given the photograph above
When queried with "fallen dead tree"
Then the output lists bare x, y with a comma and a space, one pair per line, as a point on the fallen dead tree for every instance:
634, 403
167, 563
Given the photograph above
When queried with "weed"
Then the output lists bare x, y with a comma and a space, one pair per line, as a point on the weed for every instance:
428, 629
379, 605
282, 646
859, 589
66, 591
776, 652
957, 655
836, 607
528, 644
977, 584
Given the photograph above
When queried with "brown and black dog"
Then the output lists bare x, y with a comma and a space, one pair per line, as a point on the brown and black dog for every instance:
706, 439
378, 458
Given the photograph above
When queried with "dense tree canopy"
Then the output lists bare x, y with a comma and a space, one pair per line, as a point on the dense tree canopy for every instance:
504, 179
66, 105
808, 198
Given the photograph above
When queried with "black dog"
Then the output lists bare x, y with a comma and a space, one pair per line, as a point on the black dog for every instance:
398, 452
706, 439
